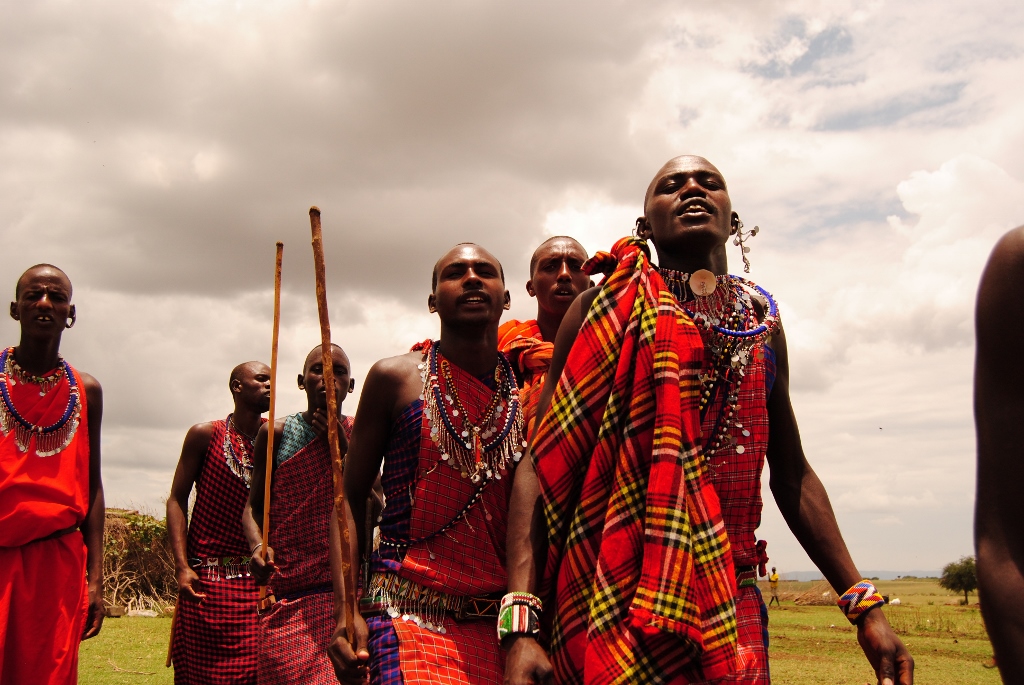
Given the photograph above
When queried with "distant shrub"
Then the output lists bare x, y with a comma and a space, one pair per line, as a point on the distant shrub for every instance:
138, 567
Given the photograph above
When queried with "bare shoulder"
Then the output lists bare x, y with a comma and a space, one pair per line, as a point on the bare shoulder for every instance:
1004, 272
587, 297
200, 431
90, 384
395, 370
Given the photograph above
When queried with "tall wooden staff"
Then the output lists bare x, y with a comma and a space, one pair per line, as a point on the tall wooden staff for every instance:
270, 418
332, 417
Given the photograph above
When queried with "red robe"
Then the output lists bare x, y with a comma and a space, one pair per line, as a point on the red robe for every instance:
530, 354
43, 593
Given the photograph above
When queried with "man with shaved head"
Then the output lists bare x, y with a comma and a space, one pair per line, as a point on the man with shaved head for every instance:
295, 630
556, 278
444, 420
216, 629
51, 494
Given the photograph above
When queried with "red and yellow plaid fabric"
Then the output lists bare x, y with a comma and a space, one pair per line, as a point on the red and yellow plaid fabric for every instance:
638, 565
530, 354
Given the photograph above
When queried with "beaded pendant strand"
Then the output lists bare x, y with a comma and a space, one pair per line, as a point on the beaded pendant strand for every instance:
49, 440
478, 452
722, 307
238, 449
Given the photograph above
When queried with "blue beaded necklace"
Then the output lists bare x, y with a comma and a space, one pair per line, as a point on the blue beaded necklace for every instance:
49, 439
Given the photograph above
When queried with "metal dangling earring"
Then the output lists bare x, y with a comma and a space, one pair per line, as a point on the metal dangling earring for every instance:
741, 236
71, 322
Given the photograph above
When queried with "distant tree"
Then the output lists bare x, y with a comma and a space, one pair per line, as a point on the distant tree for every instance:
960, 576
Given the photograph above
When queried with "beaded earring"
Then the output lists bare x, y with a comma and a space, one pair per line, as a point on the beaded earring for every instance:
741, 235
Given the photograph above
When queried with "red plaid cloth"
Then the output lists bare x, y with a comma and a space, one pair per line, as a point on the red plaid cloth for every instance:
530, 354
294, 636
216, 640
638, 559
737, 477
301, 506
469, 559
752, 656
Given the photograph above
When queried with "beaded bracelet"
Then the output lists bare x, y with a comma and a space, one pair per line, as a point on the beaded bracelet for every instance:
519, 615
859, 600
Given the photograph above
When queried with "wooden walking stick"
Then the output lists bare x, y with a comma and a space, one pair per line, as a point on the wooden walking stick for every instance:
170, 639
349, 600
265, 601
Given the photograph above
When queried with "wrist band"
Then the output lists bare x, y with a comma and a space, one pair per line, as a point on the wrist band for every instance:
519, 615
859, 600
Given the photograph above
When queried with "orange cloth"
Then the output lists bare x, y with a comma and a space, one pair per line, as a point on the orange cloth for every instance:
530, 355
43, 595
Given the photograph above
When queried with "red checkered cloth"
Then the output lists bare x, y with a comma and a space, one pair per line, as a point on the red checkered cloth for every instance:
638, 564
531, 355
468, 559
295, 632
737, 477
294, 636
301, 506
752, 656
216, 640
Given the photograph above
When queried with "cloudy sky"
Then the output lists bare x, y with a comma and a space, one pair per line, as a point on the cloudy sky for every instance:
156, 151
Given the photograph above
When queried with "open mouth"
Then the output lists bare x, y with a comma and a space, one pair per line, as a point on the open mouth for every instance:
565, 293
474, 299
695, 207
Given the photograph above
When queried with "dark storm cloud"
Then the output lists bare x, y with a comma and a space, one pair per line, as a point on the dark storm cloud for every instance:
189, 146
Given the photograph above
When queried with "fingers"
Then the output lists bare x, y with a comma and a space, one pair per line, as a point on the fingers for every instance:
349, 666
886, 670
93, 622
190, 592
904, 666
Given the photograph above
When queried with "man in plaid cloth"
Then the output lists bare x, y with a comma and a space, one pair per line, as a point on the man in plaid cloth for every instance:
295, 631
556, 278
444, 420
216, 627
634, 520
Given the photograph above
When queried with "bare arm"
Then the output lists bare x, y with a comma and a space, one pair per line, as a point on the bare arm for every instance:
999, 417
252, 515
92, 527
385, 392
193, 452
805, 506
527, 535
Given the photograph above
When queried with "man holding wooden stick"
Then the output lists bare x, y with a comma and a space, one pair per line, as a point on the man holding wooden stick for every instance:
445, 421
295, 631
216, 626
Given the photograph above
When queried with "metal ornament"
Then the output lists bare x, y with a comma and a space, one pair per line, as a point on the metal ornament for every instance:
742, 235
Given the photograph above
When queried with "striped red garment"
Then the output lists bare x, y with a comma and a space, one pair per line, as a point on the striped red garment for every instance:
639, 573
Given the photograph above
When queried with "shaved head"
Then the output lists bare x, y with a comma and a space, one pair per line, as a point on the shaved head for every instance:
554, 238
681, 160
316, 355
246, 368
41, 268
446, 255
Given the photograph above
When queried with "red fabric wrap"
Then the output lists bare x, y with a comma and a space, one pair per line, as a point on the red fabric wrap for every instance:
216, 640
43, 594
531, 355
638, 564
41, 495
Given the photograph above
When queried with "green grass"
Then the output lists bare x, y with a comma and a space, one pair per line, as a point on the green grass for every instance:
127, 650
809, 645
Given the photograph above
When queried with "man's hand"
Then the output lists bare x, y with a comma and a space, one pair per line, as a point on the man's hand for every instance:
94, 619
189, 585
888, 656
350, 666
262, 570
527, 663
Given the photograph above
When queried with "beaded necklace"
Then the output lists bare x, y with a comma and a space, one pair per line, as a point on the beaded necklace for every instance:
723, 310
238, 449
471, 450
49, 440
478, 452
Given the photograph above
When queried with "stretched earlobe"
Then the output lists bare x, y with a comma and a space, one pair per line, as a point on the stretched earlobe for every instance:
642, 230
431, 303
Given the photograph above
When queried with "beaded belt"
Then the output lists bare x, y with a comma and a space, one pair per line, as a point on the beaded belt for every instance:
399, 597
746, 576
216, 568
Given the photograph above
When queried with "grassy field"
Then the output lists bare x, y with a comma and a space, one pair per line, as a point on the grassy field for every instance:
809, 645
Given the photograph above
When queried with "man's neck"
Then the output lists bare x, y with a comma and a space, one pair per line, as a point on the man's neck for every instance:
474, 351
246, 419
714, 261
548, 323
38, 356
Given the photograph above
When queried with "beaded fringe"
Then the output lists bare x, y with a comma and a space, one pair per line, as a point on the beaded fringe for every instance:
46, 444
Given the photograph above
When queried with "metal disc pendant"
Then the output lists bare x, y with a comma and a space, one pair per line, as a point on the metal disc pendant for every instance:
703, 282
